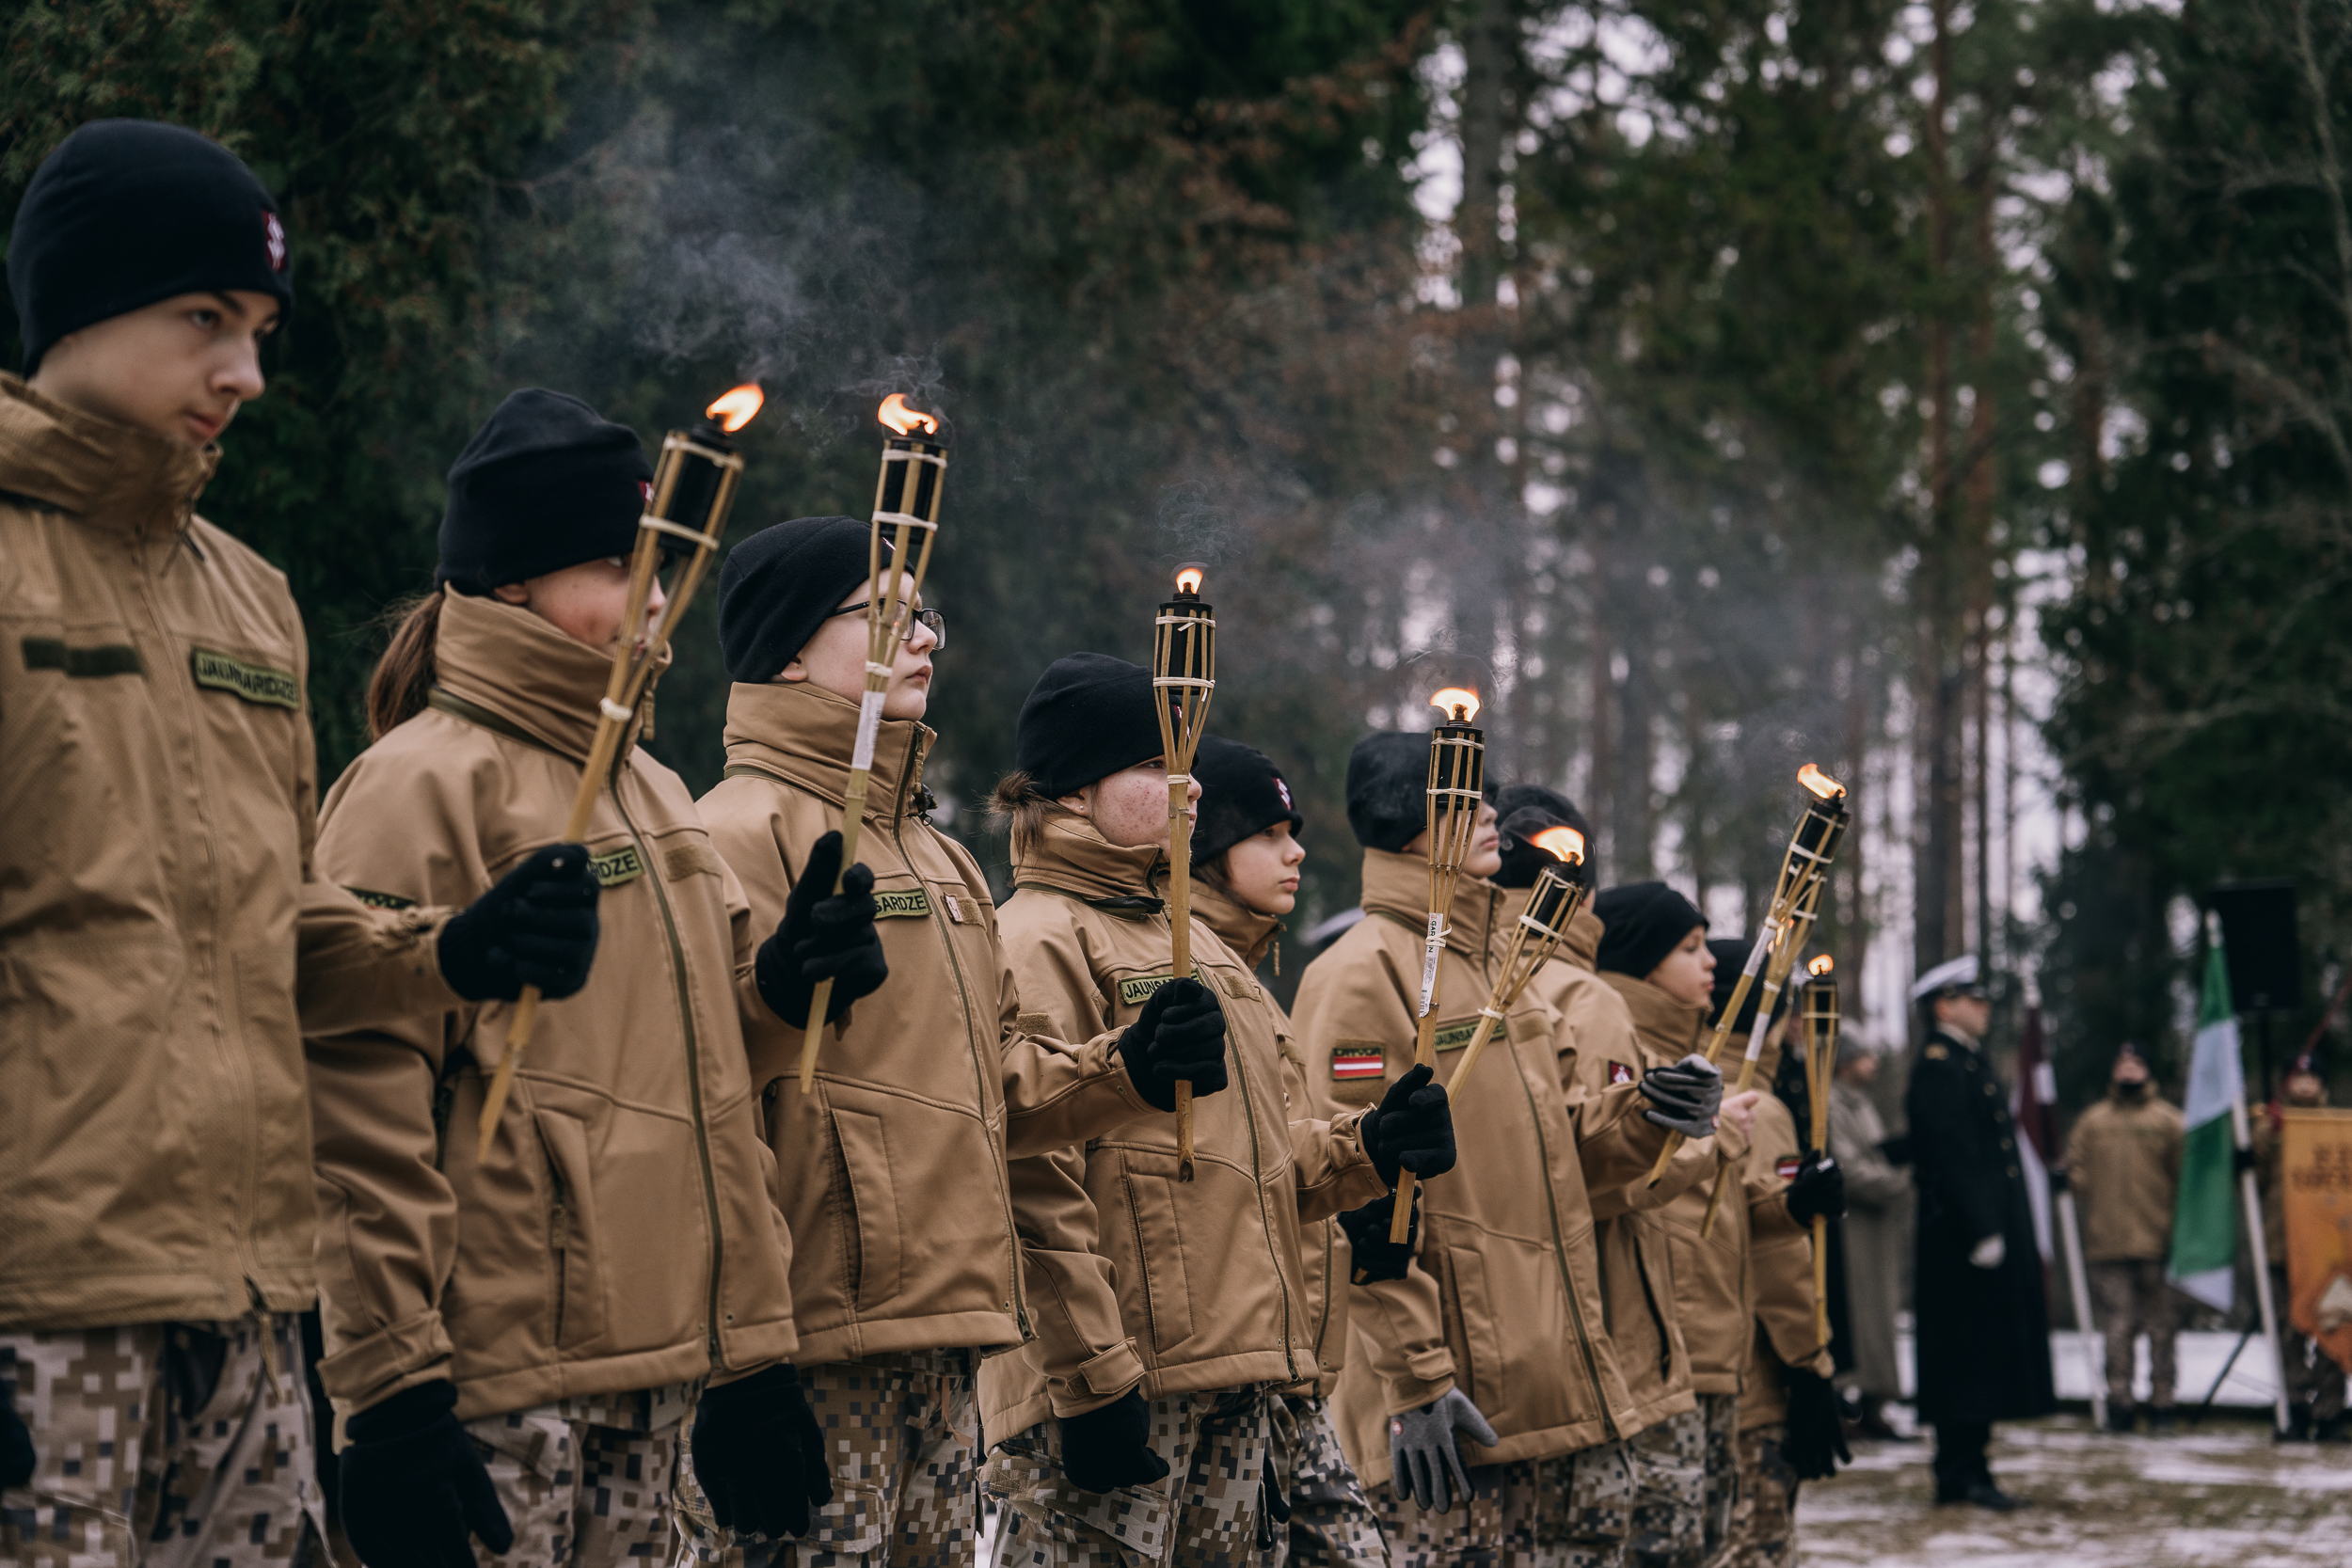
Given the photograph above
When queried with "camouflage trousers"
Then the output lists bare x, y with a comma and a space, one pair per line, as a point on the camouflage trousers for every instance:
1205, 1516
1331, 1523
2130, 1296
902, 1432
1570, 1511
1764, 1525
1687, 1479
586, 1481
162, 1446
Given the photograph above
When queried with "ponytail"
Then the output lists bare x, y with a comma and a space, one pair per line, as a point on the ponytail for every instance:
405, 674
1020, 805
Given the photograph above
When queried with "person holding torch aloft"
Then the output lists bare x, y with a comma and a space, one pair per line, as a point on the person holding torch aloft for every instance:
905, 1253
1168, 1311
518, 1334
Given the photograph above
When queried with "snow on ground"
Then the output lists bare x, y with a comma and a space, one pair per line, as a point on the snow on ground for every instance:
2218, 1497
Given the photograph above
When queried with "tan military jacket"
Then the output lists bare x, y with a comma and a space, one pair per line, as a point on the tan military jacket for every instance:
891, 1174
1130, 1272
1602, 1062
1780, 1263
622, 1234
2124, 1164
1713, 1292
163, 939
1506, 1299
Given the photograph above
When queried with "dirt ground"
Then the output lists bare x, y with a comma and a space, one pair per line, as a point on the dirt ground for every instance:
2223, 1493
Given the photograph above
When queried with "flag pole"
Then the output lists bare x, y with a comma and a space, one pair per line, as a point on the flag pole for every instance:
2252, 1199
2078, 1286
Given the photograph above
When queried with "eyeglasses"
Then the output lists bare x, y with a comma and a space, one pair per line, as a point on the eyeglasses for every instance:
931, 620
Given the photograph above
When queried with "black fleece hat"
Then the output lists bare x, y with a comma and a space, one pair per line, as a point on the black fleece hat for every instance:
1088, 716
1527, 809
1643, 922
1387, 788
1242, 793
128, 212
777, 587
1731, 956
547, 483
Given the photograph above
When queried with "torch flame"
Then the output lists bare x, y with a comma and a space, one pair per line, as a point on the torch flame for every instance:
738, 406
1822, 964
1820, 783
894, 413
1562, 844
1190, 576
1459, 702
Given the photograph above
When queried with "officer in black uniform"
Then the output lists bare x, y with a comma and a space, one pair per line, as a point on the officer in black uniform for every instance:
1983, 1328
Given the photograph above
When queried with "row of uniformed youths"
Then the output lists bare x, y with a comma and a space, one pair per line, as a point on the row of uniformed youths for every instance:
526, 1376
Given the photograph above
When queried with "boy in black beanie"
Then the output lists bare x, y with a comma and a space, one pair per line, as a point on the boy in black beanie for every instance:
170, 937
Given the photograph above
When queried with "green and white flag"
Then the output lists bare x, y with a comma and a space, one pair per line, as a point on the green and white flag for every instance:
2204, 1216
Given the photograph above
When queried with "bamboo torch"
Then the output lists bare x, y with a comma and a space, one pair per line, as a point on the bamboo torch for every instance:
1820, 1057
1810, 848
693, 489
1183, 678
907, 493
1558, 893
1457, 782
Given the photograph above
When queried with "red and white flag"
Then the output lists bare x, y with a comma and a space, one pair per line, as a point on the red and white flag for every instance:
2034, 1109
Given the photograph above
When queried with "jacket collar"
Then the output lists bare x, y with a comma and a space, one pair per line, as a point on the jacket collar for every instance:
1398, 886
1236, 925
1070, 857
1669, 1027
502, 661
1952, 1037
804, 733
100, 473
1582, 944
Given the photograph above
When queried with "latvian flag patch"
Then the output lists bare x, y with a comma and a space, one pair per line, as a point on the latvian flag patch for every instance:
1785, 1168
1351, 1062
1620, 1073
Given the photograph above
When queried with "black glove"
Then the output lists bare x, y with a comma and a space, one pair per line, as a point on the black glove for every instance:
1179, 1035
17, 1459
1376, 1257
1896, 1151
536, 927
1411, 1128
1685, 1096
1424, 1453
825, 936
1816, 1433
1818, 1188
414, 1486
1108, 1449
760, 1455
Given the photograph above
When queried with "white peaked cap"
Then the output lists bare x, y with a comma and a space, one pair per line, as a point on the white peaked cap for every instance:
1961, 971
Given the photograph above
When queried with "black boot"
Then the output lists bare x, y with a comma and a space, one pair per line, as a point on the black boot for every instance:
2299, 1426
2120, 1417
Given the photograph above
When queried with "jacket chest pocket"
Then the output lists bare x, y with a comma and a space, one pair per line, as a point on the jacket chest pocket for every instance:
84, 745
249, 704
1151, 1206
873, 1229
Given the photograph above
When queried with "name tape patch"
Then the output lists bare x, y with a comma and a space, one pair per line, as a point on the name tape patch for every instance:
1136, 992
1350, 1062
622, 865
255, 683
901, 904
375, 900
1453, 1036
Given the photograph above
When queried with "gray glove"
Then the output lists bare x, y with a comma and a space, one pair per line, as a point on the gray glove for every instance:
1423, 1450
1685, 1096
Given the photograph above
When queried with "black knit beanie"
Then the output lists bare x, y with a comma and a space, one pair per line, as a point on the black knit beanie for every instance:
1731, 956
128, 212
1088, 716
1527, 809
1387, 788
547, 483
1642, 922
781, 584
1242, 793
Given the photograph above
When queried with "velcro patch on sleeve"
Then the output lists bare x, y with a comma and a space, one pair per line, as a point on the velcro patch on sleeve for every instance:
689, 859
1785, 1168
1621, 1072
255, 683
1350, 1063
106, 659
380, 900
1136, 992
902, 903
623, 864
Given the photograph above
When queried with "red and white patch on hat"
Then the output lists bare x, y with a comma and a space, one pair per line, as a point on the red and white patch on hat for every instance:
1785, 1168
1352, 1062
1619, 1072
273, 239
644, 491
1285, 791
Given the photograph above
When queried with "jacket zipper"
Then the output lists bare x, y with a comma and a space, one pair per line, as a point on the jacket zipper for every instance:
693, 1054
1257, 1178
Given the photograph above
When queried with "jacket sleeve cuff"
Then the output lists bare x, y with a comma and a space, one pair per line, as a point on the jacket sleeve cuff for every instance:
1422, 1384
399, 1356
1349, 1181
1095, 1384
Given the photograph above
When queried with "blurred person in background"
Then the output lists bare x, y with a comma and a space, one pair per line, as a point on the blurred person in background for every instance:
1878, 1203
2124, 1160
2315, 1384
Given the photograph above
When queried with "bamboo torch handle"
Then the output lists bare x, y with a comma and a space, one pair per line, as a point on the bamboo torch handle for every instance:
1180, 939
813, 1031
1425, 1053
1820, 1278
1723, 1168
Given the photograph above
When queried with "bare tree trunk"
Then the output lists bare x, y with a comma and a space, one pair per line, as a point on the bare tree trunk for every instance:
1976, 546
1486, 587
1938, 920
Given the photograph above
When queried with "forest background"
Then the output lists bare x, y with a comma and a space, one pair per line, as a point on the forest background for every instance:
1956, 395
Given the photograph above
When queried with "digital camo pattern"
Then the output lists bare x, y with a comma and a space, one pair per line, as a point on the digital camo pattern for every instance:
1205, 1516
1670, 1493
1721, 1414
587, 1481
1331, 1520
901, 1433
1764, 1523
2131, 1297
1572, 1512
164, 1446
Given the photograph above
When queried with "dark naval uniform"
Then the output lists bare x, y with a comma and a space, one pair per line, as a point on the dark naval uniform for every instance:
1984, 1333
